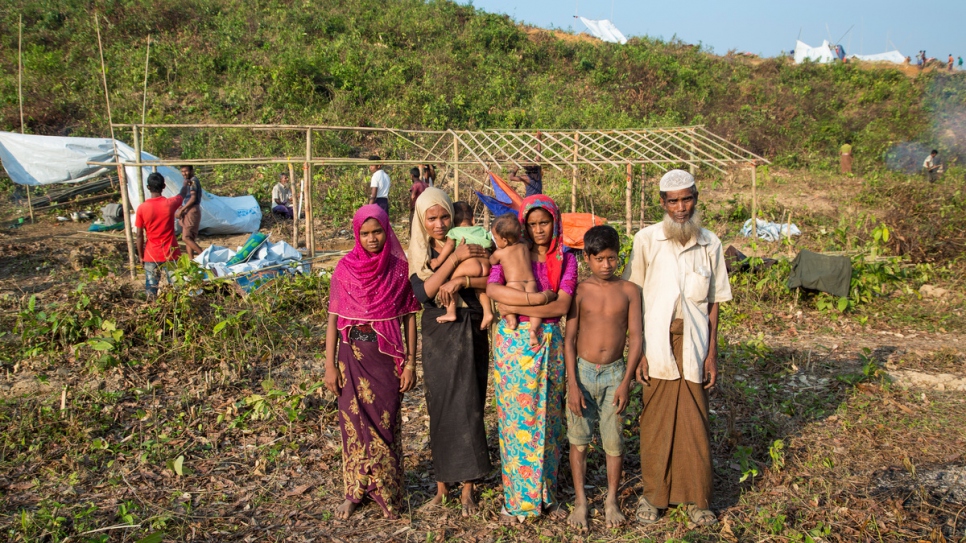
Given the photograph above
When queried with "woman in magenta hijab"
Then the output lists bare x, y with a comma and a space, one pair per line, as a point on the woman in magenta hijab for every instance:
371, 309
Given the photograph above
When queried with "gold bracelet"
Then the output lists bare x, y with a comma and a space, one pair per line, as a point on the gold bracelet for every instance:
467, 281
410, 367
546, 298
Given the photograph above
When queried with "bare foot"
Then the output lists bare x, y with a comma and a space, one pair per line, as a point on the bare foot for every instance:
487, 321
437, 499
578, 517
470, 506
507, 518
612, 514
534, 339
556, 511
448, 317
511, 321
345, 510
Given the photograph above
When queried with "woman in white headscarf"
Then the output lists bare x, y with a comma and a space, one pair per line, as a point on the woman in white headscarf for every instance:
455, 354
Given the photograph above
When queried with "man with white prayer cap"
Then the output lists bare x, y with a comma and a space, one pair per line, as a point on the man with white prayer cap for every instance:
680, 268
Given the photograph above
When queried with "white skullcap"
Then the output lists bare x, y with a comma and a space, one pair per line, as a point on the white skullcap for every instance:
676, 180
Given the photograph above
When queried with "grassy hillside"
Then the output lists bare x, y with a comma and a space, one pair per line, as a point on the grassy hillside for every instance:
436, 64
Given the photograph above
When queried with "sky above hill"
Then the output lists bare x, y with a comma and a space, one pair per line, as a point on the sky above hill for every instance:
764, 27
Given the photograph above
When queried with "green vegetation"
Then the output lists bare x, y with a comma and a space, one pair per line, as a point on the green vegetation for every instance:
433, 65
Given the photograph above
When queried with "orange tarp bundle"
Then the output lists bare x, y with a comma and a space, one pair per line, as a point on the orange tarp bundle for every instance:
575, 225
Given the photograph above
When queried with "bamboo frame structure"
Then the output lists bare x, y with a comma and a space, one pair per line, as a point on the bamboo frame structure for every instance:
693, 147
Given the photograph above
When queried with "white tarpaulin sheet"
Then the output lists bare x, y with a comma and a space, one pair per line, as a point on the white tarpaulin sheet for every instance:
821, 54
890, 56
604, 30
46, 160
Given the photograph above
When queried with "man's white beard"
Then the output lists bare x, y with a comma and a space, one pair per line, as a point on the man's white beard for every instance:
682, 232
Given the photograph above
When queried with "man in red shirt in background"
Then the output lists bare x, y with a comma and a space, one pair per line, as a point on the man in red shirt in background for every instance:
156, 241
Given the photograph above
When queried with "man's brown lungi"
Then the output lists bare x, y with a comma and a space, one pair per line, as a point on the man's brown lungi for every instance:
190, 223
676, 437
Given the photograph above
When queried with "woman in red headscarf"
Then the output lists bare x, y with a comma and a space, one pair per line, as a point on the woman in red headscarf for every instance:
371, 305
529, 383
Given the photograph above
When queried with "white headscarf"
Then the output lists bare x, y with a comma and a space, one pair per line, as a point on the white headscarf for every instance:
419, 255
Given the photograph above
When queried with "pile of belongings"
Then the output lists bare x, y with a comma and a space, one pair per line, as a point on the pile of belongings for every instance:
112, 218
770, 231
255, 263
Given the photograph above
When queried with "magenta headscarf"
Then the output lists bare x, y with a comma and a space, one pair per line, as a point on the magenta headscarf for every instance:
555, 251
374, 289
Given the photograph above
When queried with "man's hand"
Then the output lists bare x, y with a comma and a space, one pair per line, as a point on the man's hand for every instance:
711, 369
642, 376
575, 399
407, 380
621, 395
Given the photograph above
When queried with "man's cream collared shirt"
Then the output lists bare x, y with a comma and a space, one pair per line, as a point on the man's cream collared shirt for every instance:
668, 273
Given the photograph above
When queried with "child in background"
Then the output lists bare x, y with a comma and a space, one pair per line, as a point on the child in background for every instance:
514, 257
604, 316
466, 232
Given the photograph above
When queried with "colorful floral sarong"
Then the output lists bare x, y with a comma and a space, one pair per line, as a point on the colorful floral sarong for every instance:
530, 390
370, 420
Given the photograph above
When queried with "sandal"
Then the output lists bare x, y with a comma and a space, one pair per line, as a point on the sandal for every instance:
646, 513
701, 517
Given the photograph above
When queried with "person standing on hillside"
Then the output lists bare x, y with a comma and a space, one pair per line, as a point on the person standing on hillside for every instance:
845, 157
427, 174
931, 166
959, 62
532, 179
156, 241
950, 62
190, 213
415, 190
282, 198
378, 185
680, 268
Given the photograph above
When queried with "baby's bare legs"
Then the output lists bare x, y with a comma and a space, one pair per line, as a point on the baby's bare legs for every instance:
536, 323
472, 268
487, 310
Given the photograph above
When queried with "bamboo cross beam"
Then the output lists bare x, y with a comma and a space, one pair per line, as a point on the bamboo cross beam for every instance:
456, 138
715, 136
538, 155
648, 147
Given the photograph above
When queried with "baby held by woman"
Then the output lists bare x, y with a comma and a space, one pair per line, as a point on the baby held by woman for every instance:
511, 253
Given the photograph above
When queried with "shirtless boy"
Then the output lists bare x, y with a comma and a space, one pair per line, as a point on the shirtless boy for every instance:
514, 257
604, 317
466, 232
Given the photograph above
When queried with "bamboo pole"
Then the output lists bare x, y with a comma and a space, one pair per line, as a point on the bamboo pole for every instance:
691, 167
309, 215
140, 173
643, 192
30, 205
121, 178
456, 168
144, 99
295, 206
789, 232
573, 181
754, 201
627, 197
